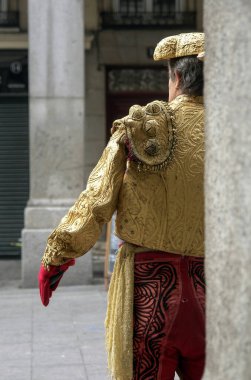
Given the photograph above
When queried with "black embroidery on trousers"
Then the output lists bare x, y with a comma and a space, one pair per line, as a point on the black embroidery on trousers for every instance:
197, 274
155, 285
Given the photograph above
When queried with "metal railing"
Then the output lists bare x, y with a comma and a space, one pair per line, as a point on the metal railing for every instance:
9, 19
124, 20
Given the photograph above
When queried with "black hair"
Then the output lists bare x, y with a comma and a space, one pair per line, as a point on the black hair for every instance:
190, 70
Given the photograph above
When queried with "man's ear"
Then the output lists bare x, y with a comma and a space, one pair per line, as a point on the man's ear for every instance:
177, 79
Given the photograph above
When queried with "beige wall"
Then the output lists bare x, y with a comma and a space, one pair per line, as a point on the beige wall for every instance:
23, 18
91, 15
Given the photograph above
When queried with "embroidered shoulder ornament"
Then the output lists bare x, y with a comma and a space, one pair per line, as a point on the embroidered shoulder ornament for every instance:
150, 132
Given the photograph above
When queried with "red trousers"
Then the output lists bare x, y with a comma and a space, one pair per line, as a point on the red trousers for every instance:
169, 316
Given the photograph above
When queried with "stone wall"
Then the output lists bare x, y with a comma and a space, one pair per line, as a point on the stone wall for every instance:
228, 189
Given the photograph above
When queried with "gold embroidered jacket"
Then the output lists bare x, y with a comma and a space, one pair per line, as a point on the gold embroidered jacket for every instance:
161, 209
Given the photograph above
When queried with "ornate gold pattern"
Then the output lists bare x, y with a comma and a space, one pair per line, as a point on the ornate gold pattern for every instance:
164, 210
161, 210
179, 45
151, 135
80, 228
168, 210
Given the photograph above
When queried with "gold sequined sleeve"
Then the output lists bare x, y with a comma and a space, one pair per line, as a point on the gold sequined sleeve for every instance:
80, 228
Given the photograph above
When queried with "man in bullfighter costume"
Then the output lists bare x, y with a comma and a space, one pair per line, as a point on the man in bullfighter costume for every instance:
151, 174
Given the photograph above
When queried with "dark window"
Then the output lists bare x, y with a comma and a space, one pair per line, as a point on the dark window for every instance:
149, 14
131, 6
161, 6
9, 16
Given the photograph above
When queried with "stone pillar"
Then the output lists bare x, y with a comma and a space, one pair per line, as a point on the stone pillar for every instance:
228, 189
56, 67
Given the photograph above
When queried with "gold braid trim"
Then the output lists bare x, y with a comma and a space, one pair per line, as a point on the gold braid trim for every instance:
172, 141
45, 263
151, 135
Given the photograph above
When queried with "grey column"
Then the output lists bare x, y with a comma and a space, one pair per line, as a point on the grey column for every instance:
56, 67
228, 189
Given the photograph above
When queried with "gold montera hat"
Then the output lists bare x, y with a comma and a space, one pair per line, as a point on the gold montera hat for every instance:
179, 45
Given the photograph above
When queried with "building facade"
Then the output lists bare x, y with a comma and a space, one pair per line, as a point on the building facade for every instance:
110, 69
14, 129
